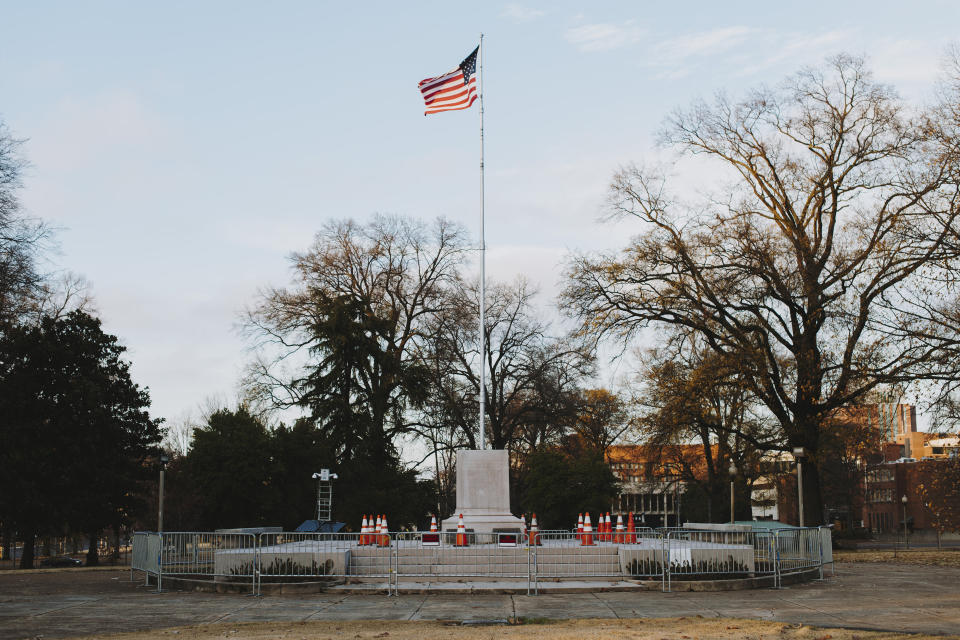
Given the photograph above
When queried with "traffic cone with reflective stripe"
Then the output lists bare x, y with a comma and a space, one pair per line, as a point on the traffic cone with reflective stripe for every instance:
619, 537
534, 532
384, 537
602, 529
587, 539
362, 540
433, 524
631, 531
461, 533
580, 527
609, 528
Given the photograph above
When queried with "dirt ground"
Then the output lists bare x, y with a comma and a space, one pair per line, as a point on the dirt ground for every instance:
932, 557
639, 629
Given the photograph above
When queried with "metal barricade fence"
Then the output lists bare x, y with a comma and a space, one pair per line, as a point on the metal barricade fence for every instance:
564, 555
485, 555
709, 554
145, 554
643, 554
798, 551
313, 556
229, 557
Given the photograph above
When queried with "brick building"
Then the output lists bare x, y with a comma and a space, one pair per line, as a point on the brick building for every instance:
650, 486
651, 483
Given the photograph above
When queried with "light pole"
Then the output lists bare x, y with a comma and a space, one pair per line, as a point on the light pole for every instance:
733, 474
799, 453
324, 494
163, 467
906, 545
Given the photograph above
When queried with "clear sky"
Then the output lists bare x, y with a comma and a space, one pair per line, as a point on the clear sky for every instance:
185, 149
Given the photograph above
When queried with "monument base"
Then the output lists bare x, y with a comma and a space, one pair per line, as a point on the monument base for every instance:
483, 493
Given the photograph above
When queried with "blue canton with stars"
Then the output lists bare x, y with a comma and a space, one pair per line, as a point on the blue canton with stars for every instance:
469, 65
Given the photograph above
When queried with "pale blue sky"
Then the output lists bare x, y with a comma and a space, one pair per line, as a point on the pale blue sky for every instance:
186, 148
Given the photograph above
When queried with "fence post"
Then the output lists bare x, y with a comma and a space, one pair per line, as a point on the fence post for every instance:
160, 565
255, 572
776, 559
665, 558
820, 549
536, 570
393, 564
529, 567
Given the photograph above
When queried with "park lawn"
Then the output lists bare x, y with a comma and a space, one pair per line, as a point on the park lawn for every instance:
945, 558
639, 629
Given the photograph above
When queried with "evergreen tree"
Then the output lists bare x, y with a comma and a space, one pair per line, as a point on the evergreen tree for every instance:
76, 430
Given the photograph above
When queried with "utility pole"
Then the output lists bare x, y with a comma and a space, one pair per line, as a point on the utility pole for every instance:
163, 467
799, 453
733, 474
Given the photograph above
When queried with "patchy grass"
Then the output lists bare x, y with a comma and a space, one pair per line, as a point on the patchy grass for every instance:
636, 629
930, 557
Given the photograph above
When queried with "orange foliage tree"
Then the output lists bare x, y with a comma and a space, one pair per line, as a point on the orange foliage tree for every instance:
939, 491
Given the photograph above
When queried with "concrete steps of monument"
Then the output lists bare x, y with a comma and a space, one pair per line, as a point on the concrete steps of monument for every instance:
487, 560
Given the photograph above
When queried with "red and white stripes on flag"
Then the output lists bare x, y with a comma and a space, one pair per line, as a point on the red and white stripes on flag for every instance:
454, 90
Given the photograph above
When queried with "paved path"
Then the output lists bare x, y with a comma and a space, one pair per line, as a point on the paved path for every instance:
867, 596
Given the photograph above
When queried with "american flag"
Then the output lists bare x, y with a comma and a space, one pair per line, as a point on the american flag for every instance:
453, 90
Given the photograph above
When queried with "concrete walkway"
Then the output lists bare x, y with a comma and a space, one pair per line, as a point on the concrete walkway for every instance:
907, 598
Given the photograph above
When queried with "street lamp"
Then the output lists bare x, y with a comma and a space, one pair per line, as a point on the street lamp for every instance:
324, 498
904, 501
799, 453
733, 474
164, 459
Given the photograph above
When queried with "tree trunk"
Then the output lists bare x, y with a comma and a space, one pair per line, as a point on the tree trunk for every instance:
6, 544
93, 559
26, 558
116, 544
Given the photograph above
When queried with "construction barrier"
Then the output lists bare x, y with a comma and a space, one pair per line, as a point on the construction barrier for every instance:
665, 555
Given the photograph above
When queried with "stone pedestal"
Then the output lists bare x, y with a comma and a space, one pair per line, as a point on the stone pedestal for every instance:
483, 492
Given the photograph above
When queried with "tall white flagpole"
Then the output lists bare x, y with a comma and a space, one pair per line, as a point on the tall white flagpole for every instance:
483, 264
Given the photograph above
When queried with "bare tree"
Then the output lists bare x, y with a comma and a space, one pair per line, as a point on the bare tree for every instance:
21, 238
528, 372
353, 325
602, 417
178, 434
62, 293
825, 268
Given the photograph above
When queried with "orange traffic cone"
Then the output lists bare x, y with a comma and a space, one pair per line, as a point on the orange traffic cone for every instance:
580, 527
362, 540
609, 527
461, 533
384, 537
433, 524
534, 532
602, 529
587, 539
631, 531
619, 537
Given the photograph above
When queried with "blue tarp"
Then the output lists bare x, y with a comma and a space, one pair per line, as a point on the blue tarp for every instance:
315, 526
767, 524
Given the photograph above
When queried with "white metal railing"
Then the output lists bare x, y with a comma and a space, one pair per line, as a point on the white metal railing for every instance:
665, 555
